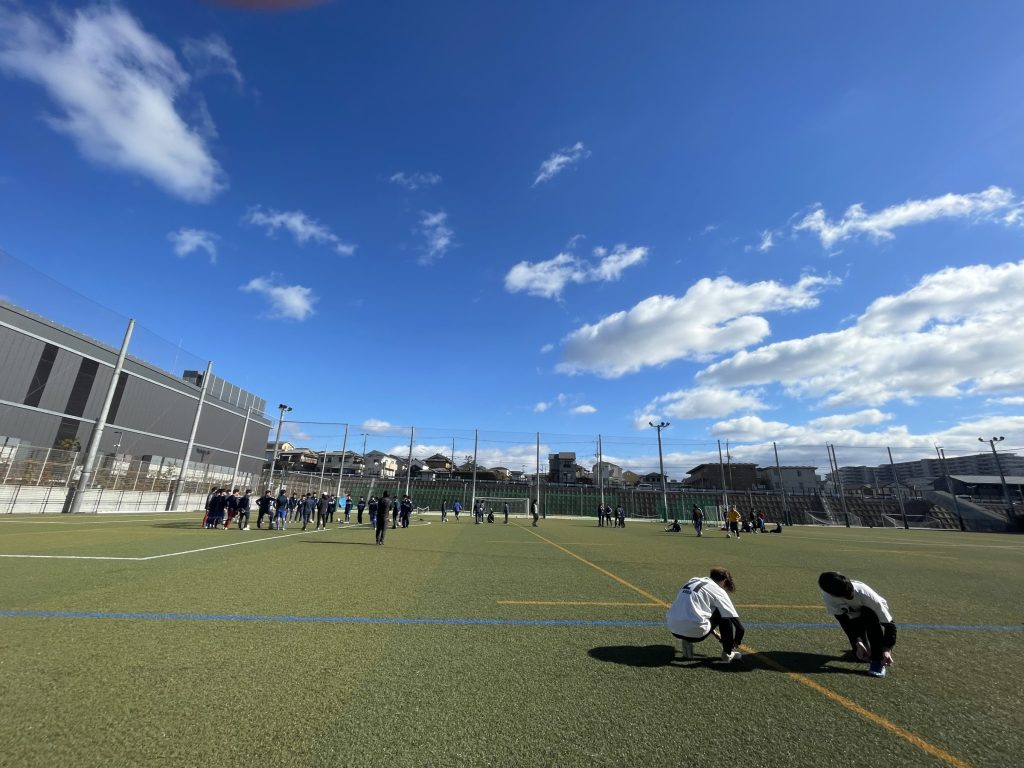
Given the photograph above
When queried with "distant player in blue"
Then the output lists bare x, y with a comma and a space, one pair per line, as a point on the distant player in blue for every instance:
457, 508
348, 508
281, 503
372, 506
406, 510
359, 510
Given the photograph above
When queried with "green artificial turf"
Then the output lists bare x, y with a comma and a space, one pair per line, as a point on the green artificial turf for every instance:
184, 692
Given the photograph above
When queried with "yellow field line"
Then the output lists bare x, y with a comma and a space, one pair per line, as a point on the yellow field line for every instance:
828, 693
570, 602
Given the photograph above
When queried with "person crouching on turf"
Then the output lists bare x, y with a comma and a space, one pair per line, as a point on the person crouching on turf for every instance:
702, 606
864, 616
673, 527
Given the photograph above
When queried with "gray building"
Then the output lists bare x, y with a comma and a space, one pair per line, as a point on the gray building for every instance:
798, 480
53, 382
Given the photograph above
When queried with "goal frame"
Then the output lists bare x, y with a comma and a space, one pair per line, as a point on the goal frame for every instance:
496, 505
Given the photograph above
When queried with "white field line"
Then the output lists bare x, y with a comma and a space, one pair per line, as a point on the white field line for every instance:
176, 554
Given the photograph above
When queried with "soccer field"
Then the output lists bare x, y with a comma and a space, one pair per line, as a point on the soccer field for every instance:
145, 640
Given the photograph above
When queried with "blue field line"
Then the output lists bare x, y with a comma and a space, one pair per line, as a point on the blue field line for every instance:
478, 622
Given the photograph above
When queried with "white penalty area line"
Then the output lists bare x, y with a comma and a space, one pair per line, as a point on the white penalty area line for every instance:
276, 537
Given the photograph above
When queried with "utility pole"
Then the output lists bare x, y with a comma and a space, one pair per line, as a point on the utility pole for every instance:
661, 466
721, 470
408, 464
538, 472
600, 470
476, 442
341, 472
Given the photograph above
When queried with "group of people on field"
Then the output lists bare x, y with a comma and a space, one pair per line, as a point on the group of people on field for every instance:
755, 524
704, 607
607, 518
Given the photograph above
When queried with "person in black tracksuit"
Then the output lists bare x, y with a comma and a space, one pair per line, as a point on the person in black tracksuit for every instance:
243, 511
263, 505
359, 510
323, 509
382, 517
405, 510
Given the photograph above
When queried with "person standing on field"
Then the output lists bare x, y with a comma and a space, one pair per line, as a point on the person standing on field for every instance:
702, 606
534, 512
348, 508
506, 513
698, 520
323, 510
243, 511
732, 521
405, 510
382, 517
359, 510
373, 507
444, 510
865, 618
263, 504
281, 503
456, 508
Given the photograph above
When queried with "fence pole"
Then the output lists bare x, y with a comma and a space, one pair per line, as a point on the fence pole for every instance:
180, 484
101, 422
241, 446
408, 465
899, 496
341, 471
785, 500
476, 443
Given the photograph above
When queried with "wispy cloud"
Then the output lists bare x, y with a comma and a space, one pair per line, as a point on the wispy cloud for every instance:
713, 317
581, 410
439, 236
541, 407
186, 241
117, 88
548, 279
292, 302
377, 426
415, 180
563, 158
994, 203
547, 348
767, 241
211, 55
302, 227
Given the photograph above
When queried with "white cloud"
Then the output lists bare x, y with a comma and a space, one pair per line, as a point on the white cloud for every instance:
699, 403
377, 426
713, 316
211, 55
186, 241
541, 407
548, 279
303, 228
116, 87
583, 409
767, 242
439, 236
292, 302
560, 160
547, 348
958, 331
992, 203
415, 180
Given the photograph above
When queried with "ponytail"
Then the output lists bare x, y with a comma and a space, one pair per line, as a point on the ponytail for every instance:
723, 578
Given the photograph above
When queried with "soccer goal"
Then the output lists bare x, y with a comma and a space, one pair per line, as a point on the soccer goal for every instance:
517, 506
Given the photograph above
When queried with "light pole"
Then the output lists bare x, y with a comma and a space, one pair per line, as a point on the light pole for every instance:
362, 469
949, 485
1002, 478
661, 465
277, 443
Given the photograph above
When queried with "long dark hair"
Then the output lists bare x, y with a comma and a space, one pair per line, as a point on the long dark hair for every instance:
723, 578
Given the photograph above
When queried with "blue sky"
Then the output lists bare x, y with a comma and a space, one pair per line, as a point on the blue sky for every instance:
797, 222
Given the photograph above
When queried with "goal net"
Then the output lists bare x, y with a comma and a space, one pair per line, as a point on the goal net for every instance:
517, 506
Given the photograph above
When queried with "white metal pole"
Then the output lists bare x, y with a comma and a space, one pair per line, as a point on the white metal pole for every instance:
600, 471
323, 470
42, 469
241, 446
408, 464
476, 442
89, 464
782, 484
899, 496
721, 469
180, 484
341, 472
538, 471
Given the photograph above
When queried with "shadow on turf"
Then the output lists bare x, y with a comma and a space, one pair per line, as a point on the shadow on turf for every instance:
659, 656
806, 663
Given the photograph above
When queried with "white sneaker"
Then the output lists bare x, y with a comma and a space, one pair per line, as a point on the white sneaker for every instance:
731, 656
246, 528
687, 648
